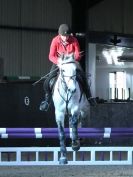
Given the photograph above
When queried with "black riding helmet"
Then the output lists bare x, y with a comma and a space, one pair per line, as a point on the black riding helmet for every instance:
64, 30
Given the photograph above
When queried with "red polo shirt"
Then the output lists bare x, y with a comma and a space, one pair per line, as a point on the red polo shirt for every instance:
57, 48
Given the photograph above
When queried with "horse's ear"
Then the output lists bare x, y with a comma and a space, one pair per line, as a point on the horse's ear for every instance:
62, 56
72, 56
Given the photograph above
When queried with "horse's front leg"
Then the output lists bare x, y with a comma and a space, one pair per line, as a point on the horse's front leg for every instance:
73, 122
63, 151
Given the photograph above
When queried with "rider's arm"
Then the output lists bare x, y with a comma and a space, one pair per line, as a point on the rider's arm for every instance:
77, 50
53, 52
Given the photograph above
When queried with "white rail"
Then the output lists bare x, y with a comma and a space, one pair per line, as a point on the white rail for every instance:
50, 155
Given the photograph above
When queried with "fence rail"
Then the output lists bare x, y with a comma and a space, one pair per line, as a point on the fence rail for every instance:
50, 155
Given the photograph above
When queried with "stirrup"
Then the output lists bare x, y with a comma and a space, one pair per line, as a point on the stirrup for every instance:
44, 106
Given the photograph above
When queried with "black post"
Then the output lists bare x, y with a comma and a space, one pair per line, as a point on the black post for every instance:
79, 18
129, 93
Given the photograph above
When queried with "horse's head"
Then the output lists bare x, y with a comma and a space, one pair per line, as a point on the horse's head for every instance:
67, 67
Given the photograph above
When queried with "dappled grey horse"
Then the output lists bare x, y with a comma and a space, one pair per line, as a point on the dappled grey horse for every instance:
70, 102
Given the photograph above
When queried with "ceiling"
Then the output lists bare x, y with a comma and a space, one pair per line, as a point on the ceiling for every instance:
86, 3
92, 3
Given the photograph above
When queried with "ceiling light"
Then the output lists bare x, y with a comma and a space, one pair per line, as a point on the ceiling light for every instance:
112, 55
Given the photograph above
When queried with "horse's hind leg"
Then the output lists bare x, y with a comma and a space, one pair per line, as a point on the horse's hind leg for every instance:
63, 159
74, 125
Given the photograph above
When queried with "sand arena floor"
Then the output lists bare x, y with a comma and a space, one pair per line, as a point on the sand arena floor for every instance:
67, 171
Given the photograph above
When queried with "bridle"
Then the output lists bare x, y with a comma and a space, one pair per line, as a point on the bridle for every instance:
64, 85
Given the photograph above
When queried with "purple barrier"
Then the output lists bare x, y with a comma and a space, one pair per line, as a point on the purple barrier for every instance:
46, 130
55, 135
67, 130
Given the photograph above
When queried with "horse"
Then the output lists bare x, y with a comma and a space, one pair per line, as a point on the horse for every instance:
70, 102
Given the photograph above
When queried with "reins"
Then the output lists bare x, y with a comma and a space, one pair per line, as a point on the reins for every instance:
43, 77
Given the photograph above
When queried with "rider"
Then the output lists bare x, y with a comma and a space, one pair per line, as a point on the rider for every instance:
63, 43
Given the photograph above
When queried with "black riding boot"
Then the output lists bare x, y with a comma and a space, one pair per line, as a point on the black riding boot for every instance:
48, 96
91, 100
45, 104
86, 88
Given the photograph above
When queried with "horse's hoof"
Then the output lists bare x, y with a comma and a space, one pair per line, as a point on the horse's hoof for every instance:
76, 145
63, 161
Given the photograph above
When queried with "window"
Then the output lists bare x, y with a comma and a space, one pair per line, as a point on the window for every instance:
117, 85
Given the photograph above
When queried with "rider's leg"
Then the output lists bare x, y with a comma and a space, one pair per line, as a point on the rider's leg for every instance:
85, 86
48, 95
48, 86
